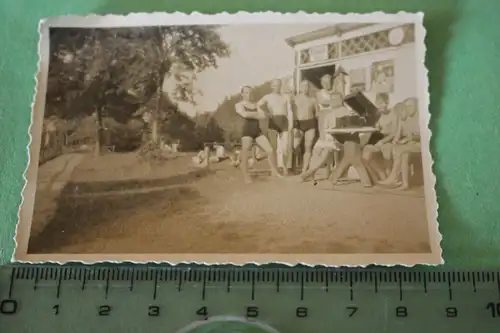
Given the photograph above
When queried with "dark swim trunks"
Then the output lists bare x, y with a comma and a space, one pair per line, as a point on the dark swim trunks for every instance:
306, 124
251, 127
278, 123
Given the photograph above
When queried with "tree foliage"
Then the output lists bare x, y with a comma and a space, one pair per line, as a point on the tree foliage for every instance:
117, 70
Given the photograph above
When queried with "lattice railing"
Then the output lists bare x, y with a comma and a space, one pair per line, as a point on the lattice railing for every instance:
359, 45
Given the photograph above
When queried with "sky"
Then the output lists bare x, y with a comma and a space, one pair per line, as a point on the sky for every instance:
258, 53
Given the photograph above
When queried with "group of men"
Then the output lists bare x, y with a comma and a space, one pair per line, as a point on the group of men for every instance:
309, 117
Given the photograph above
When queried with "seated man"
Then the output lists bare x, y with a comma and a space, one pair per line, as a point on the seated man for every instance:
382, 143
407, 141
324, 148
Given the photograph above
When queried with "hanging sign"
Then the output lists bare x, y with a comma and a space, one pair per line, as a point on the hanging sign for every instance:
318, 53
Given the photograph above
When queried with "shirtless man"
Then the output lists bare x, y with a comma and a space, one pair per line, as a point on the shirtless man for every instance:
387, 126
305, 108
280, 117
407, 141
251, 132
326, 146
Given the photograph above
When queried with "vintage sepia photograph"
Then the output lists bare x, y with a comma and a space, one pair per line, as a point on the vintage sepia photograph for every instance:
231, 138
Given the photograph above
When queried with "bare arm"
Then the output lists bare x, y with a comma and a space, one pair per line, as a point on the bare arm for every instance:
262, 102
316, 107
399, 133
393, 132
245, 114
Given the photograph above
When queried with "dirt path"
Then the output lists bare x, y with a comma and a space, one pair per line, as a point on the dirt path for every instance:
178, 209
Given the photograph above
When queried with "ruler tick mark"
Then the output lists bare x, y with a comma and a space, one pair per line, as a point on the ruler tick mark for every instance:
277, 283
228, 286
11, 283
84, 280
351, 293
132, 280
155, 290
474, 282
203, 291
376, 282
253, 286
106, 288
450, 292
35, 284
179, 284
59, 282
302, 287
326, 283
498, 284
400, 283
425, 283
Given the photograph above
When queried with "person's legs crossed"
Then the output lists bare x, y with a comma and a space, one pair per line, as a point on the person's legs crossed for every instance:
265, 145
309, 137
320, 156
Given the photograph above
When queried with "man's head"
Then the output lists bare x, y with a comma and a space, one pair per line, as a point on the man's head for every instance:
304, 87
411, 106
276, 86
246, 93
382, 102
326, 82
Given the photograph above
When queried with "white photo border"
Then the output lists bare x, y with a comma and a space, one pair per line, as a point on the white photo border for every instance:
178, 18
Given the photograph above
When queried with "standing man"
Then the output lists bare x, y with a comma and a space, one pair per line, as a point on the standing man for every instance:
280, 119
251, 133
306, 122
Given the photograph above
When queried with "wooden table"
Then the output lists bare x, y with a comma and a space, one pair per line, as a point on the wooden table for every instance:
352, 152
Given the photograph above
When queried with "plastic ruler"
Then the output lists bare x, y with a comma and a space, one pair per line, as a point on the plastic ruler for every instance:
123, 299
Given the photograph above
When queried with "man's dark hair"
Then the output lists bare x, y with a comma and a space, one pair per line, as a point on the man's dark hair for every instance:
243, 88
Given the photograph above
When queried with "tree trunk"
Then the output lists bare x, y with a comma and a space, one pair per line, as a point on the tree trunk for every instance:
98, 138
155, 119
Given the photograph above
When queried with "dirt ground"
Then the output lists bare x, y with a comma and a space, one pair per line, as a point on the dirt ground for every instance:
117, 205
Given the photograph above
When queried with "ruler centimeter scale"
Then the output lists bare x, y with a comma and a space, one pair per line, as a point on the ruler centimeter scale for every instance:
122, 299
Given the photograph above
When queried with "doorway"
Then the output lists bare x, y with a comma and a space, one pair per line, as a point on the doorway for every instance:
315, 74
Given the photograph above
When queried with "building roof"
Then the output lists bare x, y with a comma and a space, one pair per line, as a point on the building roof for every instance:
324, 32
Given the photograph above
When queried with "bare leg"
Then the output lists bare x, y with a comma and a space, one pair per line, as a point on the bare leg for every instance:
264, 143
316, 163
246, 144
368, 159
308, 146
396, 167
286, 147
405, 171
387, 153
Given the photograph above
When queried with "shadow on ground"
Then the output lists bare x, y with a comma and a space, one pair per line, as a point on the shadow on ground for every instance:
80, 218
133, 184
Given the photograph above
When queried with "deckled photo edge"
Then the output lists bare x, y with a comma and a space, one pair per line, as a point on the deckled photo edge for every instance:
318, 260
432, 204
26, 206
241, 17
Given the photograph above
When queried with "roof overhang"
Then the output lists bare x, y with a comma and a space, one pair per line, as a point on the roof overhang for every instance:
337, 29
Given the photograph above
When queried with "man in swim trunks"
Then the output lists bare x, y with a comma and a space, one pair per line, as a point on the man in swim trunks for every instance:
305, 108
251, 132
280, 117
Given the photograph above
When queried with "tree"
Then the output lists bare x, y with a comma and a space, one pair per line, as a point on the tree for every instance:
92, 70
